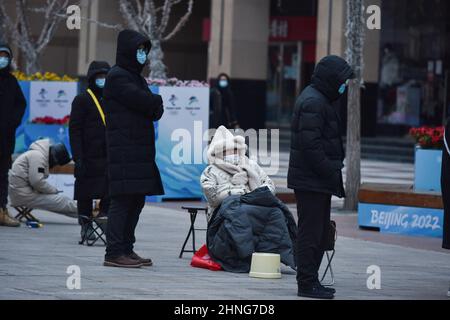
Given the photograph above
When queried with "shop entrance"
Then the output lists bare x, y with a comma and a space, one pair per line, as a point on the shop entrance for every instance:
284, 82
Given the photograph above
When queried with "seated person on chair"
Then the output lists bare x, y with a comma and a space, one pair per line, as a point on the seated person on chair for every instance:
242, 205
27, 179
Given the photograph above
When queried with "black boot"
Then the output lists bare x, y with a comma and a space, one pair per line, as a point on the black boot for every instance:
315, 291
332, 290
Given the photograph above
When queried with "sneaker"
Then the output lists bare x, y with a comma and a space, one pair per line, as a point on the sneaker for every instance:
145, 262
315, 292
122, 262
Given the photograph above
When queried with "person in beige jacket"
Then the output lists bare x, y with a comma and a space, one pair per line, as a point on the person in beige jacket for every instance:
230, 171
27, 179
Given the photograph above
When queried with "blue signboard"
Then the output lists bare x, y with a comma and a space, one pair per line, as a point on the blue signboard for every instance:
427, 170
402, 220
177, 130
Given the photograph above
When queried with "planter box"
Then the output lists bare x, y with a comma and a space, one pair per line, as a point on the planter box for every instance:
427, 170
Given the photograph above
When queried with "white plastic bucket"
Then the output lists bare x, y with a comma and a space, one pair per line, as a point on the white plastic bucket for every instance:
265, 265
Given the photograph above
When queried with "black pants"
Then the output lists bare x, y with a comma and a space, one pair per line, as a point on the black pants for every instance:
123, 217
5, 165
85, 207
313, 211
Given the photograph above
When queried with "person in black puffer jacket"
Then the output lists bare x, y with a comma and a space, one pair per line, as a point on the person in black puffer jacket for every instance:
12, 108
88, 142
130, 109
315, 164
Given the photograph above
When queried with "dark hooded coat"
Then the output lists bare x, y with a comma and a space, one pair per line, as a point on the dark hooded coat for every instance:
88, 139
130, 109
317, 152
12, 108
255, 222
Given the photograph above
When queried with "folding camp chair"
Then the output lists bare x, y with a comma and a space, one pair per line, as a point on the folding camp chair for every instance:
24, 213
98, 230
193, 210
329, 252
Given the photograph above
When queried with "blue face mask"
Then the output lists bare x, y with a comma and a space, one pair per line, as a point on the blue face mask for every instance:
4, 62
343, 87
100, 82
223, 83
141, 56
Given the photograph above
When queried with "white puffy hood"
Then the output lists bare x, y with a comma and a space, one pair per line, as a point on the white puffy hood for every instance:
222, 141
43, 146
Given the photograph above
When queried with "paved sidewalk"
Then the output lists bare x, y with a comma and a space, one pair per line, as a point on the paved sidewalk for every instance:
33, 264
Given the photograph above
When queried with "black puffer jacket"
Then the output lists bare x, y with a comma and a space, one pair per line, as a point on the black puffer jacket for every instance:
317, 153
254, 222
12, 108
130, 109
88, 139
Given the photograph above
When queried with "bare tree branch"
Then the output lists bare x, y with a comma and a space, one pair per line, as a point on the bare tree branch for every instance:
182, 22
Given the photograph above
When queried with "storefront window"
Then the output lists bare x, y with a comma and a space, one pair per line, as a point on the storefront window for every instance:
414, 62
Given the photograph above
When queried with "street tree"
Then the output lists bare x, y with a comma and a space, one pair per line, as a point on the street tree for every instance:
152, 18
32, 45
355, 30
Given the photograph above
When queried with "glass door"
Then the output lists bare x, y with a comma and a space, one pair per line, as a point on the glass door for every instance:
284, 82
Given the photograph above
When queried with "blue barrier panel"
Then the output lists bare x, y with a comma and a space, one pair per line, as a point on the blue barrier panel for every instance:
427, 169
402, 220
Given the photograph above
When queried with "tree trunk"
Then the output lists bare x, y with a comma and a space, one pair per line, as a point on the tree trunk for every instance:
355, 33
157, 66
353, 147
32, 63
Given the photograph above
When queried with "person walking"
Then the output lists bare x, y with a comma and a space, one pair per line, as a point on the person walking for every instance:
88, 142
315, 164
12, 108
130, 109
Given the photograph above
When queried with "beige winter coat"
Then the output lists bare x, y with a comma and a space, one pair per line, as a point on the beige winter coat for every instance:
28, 184
220, 179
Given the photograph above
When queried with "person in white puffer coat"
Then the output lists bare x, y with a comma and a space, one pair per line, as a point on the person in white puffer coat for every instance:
230, 171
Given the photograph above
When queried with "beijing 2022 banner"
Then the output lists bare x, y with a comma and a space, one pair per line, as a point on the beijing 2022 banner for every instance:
181, 139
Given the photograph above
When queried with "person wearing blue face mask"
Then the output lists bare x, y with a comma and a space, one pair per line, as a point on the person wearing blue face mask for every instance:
130, 109
223, 107
87, 134
315, 167
12, 108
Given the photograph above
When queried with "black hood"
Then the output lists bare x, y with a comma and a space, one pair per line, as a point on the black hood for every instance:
58, 155
95, 68
329, 74
5, 47
128, 42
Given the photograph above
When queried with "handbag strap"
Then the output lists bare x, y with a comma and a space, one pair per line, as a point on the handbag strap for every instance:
97, 104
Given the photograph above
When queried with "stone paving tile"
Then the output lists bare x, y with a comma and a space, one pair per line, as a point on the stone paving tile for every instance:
33, 265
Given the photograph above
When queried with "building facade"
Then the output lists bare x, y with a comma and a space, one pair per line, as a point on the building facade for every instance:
269, 49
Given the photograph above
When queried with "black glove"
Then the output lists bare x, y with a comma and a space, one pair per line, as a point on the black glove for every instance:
159, 109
